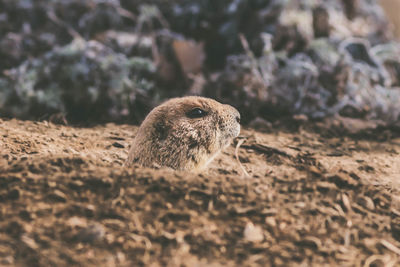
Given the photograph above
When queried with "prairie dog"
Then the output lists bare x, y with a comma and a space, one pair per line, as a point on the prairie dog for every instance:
184, 133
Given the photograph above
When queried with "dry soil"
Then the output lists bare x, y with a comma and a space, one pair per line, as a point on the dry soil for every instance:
313, 196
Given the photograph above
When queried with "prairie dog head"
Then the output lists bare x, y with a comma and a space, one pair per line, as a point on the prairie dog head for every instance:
185, 133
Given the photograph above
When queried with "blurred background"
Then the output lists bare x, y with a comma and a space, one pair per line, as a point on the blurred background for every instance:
81, 61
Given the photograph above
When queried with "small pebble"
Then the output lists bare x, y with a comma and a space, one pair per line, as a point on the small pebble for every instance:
253, 233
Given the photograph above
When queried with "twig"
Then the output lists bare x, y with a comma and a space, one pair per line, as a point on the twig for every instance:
390, 246
53, 17
254, 64
125, 13
240, 142
269, 151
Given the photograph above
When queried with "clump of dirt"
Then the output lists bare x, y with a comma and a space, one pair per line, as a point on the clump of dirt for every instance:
311, 197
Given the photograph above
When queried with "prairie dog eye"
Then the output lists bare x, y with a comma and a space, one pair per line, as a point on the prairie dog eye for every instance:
196, 113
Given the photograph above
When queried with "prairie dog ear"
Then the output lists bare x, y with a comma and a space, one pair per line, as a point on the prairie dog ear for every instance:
161, 128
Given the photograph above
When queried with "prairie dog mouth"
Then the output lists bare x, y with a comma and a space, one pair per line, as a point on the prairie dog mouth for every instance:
234, 131
230, 135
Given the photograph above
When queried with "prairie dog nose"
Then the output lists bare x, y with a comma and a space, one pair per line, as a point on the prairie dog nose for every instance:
234, 112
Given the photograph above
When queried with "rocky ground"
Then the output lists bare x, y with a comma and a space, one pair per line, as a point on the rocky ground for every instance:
312, 195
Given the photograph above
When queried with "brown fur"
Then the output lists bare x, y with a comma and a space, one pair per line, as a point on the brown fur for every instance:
168, 137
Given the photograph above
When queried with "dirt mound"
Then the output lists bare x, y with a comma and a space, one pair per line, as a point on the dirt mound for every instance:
312, 198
